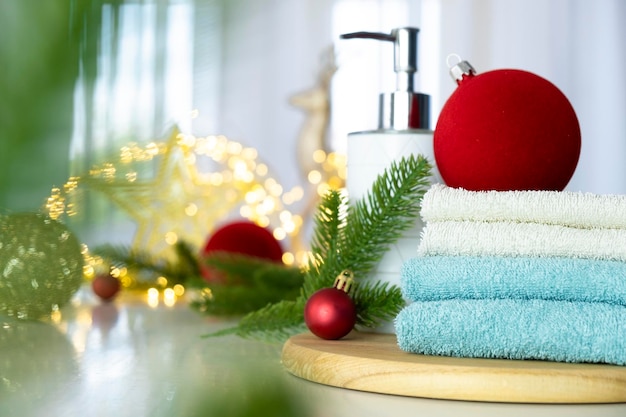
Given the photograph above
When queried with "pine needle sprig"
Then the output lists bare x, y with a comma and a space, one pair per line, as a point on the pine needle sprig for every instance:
146, 264
376, 303
239, 269
354, 238
246, 284
272, 323
329, 221
123, 254
380, 218
238, 300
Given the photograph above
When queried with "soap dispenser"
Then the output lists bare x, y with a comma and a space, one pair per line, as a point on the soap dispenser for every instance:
403, 129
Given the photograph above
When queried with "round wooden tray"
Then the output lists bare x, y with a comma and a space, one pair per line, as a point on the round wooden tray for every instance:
373, 362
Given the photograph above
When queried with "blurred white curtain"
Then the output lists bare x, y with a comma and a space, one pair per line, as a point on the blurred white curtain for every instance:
253, 56
135, 78
271, 50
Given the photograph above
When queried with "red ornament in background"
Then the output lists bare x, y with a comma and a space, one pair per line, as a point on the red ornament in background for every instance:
506, 130
106, 286
245, 238
330, 313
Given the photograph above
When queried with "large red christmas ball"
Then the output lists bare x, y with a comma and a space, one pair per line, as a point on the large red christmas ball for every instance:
507, 130
330, 313
245, 238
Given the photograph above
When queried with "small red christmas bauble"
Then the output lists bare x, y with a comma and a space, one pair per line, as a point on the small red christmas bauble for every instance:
330, 313
507, 130
105, 286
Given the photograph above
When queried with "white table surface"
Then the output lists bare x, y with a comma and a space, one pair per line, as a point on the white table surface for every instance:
129, 359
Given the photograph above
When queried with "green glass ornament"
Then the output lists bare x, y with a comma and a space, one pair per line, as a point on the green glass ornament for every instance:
41, 265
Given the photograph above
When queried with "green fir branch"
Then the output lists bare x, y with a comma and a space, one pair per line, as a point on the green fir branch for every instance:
376, 303
354, 238
236, 268
187, 262
272, 323
328, 224
246, 284
379, 219
146, 265
360, 238
238, 300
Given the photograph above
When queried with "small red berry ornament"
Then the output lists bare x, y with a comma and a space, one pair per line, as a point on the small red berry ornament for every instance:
330, 313
106, 286
506, 130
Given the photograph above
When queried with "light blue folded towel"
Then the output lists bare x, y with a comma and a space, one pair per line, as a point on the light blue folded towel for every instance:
515, 329
469, 277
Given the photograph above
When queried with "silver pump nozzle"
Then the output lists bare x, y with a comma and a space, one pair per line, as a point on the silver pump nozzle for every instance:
404, 108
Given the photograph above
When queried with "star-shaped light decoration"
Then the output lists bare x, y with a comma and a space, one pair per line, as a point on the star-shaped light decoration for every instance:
181, 188
179, 202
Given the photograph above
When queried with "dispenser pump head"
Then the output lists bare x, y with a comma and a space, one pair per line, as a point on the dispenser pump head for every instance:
404, 108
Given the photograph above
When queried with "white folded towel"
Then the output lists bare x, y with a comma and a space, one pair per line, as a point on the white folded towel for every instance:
521, 239
566, 208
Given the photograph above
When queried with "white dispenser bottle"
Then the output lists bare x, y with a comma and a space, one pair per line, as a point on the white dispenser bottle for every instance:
403, 129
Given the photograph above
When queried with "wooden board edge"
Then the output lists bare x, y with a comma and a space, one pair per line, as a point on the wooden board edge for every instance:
331, 363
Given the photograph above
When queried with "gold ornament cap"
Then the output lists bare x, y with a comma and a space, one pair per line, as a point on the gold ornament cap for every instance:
344, 280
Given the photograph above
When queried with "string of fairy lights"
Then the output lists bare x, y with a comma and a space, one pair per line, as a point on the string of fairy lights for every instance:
177, 188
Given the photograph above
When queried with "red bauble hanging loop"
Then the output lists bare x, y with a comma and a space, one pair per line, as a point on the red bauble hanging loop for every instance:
506, 130
330, 313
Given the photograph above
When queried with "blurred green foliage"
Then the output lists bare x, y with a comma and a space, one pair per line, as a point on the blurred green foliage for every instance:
258, 391
40, 45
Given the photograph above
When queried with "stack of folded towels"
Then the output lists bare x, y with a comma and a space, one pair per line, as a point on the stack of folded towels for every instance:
518, 275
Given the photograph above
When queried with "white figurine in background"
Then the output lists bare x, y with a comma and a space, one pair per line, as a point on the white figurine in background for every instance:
313, 135
316, 104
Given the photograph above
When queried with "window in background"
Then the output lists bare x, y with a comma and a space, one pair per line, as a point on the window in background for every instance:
238, 62
135, 83
138, 83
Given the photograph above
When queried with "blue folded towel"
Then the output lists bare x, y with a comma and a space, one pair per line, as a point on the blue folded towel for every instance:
467, 277
515, 329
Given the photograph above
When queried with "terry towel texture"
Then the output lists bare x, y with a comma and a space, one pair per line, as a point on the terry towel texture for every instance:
515, 329
548, 207
518, 275
521, 239
433, 278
